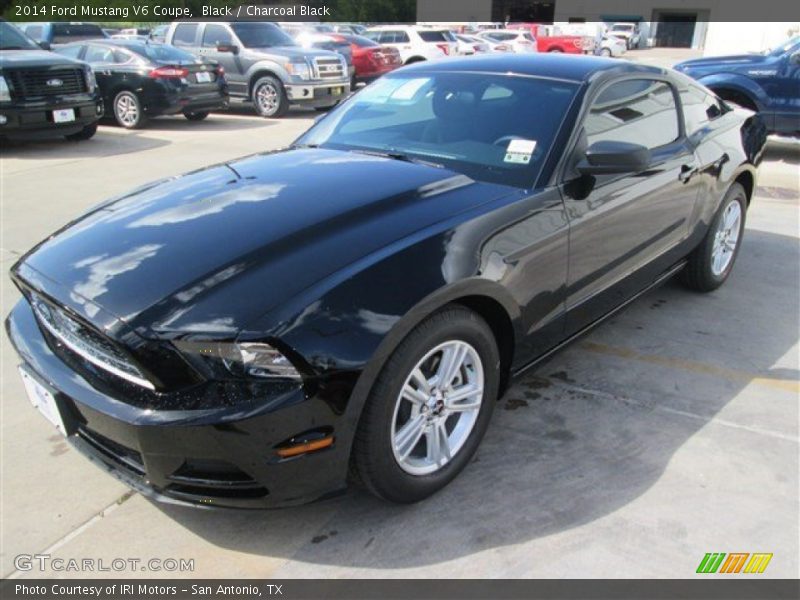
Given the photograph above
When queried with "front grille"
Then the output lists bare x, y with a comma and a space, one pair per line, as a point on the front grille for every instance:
329, 68
48, 82
87, 343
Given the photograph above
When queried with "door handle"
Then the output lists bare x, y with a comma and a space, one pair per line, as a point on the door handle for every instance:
687, 172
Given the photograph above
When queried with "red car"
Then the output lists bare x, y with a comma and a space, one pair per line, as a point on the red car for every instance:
370, 59
548, 39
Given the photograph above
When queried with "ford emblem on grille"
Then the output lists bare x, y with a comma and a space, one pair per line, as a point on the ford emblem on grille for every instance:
55, 82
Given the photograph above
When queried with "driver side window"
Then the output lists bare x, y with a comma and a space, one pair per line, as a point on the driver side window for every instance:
637, 111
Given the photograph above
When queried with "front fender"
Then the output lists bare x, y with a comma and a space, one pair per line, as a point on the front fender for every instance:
267, 65
739, 83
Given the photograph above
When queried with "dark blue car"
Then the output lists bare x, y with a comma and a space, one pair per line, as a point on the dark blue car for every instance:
768, 83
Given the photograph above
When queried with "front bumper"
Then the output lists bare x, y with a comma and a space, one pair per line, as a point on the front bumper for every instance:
34, 120
221, 457
318, 94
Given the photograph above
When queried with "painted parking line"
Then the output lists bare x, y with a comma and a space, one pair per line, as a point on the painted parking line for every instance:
692, 366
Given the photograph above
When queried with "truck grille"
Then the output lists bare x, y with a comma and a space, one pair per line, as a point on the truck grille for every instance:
329, 68
48, 82
87, 343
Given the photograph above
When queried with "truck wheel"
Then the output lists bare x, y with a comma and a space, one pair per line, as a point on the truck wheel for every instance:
712, 261
605, 52
128, 110
269, 97
84, 134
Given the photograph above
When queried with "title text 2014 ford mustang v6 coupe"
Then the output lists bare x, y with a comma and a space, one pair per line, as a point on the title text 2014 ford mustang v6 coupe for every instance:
248, 334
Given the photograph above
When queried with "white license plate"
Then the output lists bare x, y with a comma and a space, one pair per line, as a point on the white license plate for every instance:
64, 115
42, 399
203, 77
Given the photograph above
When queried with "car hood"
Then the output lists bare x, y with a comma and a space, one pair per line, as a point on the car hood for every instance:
715, 62
212, 250
33, 58
293, 52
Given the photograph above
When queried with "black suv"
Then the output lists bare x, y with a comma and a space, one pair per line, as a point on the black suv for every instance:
43, 94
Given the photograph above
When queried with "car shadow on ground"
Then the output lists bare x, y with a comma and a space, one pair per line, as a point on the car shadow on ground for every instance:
581, 437
106, 142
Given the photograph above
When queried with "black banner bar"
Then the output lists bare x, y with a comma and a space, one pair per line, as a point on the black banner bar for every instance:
713, 588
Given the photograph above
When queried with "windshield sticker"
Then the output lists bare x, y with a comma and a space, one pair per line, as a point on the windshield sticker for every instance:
520, 151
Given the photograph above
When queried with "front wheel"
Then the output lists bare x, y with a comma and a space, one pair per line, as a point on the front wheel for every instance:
269, 97
128, 110
429, 408
196, 116
712, 261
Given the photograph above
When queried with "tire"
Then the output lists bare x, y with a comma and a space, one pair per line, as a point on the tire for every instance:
605, 52
128, 110
196, 116
269, 97
557, 50
84, 134
377, 452
710, 263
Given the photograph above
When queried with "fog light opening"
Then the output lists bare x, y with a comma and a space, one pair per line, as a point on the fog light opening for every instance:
3, 119
304, 447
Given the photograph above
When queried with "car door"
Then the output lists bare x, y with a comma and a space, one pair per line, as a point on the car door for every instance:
627, 228
220, 34
101, 58
786, 98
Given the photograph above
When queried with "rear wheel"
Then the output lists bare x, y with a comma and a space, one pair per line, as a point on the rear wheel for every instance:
196, 116
429, 408
84, 134
555, 50
128, 110
712, 261
269, 97
605, 52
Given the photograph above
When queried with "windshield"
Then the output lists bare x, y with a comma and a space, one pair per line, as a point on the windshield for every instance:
262, 35
489, 127
790, 44
164, 54
622, 27
12, 38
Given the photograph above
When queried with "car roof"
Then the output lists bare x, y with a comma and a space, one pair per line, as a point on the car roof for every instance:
549, 65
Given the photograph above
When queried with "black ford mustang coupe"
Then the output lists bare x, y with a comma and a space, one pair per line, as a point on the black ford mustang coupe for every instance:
251, 333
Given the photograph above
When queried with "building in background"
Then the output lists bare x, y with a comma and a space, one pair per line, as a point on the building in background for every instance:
694, 24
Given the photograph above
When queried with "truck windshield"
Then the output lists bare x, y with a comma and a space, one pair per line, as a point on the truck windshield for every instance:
262, 35
490, 127
12, 38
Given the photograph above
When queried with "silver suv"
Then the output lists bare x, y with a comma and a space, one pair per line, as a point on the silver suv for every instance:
264, 65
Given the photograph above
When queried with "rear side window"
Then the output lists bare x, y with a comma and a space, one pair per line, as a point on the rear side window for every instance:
185, 34
216, 34
699, 109
638, 111
69, 51
35, 31
99, 54
433, 36
69, 32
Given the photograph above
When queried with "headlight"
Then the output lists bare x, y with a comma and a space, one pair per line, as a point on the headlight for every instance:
91, 82
246, 359
301, 70
5, 93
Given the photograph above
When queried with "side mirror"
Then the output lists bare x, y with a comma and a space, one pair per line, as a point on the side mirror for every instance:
44, 45
228, 48
614, 157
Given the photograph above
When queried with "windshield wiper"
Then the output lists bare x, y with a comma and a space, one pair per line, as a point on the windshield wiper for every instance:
394, 155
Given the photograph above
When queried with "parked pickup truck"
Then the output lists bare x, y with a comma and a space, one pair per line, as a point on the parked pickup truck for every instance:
265, 66
768, 83
43, 94
552, 39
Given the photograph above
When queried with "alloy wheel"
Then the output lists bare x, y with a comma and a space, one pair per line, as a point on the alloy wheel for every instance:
437, 407
126, 109
268, 98
726, 238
